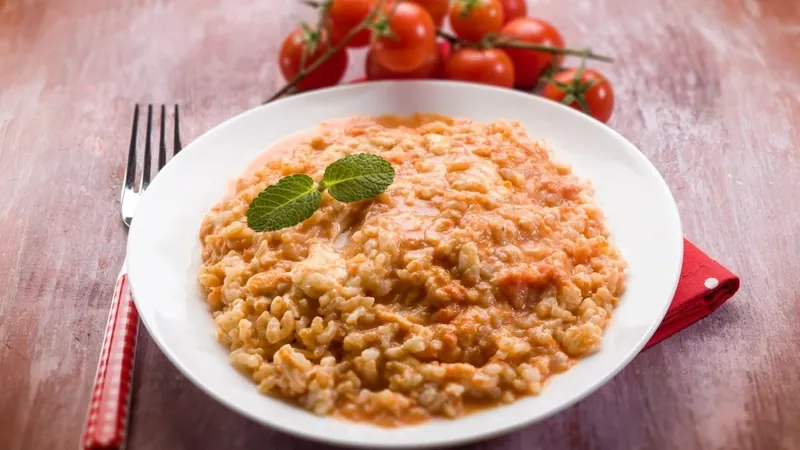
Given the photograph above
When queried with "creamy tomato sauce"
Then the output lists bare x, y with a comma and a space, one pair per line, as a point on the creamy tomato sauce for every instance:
484, 269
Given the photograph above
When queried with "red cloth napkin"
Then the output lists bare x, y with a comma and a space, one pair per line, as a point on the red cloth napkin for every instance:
704, 286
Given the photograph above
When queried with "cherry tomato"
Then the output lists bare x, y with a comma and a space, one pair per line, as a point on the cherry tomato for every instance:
436, 8
473, 19
513, 9
529, 64
412, 41
344, 15
291, 58
489, 66
592, 87
432, 68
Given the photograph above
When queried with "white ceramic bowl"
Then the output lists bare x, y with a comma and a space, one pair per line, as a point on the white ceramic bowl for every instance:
164, 249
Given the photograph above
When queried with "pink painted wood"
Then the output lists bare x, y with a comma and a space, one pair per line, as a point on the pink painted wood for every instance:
708, 90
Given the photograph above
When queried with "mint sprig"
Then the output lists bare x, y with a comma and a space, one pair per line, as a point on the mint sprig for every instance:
357, 177
294, 198
288, 202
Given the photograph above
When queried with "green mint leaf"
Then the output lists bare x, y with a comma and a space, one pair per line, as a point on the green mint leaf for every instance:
284, 204
357, 177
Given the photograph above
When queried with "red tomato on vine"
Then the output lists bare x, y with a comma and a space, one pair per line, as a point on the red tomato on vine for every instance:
473, 19
313, 44
487, 66
432, 68
408, 38
344, 15
436, 8
529, 64
513, 9
583, 89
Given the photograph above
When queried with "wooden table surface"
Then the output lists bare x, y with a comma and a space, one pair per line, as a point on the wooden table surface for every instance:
709, 90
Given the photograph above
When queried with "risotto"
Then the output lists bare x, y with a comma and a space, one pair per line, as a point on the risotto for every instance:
484, 269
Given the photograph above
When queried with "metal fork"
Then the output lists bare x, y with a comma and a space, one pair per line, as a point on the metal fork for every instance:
130, 197
107, 419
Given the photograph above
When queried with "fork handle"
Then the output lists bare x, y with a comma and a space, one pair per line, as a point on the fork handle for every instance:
106, 421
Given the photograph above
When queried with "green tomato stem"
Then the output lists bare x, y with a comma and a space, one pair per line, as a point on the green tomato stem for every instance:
501, 41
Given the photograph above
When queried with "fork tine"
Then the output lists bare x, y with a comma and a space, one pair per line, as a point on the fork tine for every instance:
130, 166
147, 149
162, 145
177, 140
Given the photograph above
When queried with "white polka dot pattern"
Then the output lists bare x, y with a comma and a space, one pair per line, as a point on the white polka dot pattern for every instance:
108, 407
711, 283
